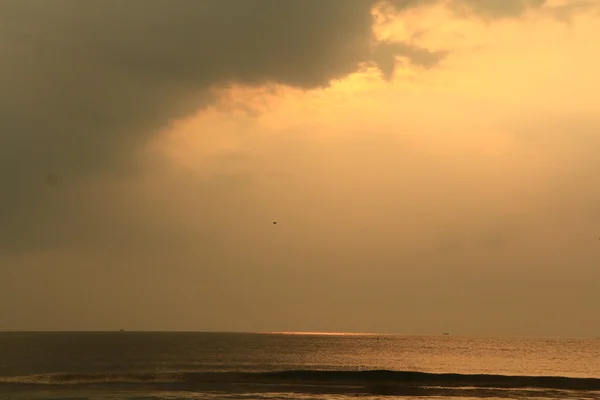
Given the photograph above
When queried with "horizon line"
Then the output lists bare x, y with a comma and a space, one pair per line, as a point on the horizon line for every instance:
300, 333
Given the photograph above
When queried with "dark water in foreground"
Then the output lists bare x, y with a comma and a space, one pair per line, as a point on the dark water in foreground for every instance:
131, 365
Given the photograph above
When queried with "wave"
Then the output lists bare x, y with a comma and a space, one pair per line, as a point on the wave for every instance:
372, 381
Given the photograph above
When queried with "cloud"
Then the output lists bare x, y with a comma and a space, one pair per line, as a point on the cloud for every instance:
497, 8
479, 8
86, 85
569, 9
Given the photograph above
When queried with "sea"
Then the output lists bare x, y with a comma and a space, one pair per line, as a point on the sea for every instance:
191, 365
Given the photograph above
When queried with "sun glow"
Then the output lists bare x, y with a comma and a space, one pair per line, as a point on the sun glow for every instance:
323, 333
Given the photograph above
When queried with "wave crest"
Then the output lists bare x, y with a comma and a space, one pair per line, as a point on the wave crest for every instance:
365, 379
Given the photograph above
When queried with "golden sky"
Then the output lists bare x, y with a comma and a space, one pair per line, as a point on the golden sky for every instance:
456, 196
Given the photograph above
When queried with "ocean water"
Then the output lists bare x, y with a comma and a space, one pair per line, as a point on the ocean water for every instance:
145, 365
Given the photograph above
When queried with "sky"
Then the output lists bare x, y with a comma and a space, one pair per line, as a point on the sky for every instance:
432, 166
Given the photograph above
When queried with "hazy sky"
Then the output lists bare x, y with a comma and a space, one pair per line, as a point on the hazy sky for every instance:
433, 166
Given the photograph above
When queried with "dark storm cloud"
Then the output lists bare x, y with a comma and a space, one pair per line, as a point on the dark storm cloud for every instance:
85, 84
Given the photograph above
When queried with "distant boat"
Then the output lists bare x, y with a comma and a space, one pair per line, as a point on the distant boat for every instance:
122, 330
